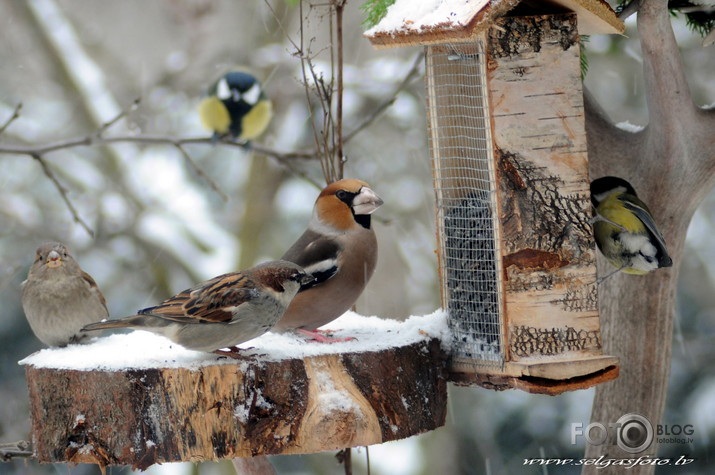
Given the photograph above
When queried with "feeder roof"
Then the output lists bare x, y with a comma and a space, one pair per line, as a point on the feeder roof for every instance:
410, 22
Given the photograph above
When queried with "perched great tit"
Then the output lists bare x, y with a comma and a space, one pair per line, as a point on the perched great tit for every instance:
236, 106
624, 228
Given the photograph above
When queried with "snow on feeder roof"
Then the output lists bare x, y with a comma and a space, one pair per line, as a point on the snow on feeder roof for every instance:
438, 21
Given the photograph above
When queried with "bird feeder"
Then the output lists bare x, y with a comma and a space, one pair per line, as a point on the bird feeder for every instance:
508, 143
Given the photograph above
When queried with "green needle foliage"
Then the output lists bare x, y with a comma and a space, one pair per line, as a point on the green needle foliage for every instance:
374, 11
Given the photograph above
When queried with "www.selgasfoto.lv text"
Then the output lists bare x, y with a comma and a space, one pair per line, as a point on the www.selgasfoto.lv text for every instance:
602, 461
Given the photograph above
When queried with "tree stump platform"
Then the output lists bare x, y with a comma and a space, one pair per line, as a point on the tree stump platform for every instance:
137, 399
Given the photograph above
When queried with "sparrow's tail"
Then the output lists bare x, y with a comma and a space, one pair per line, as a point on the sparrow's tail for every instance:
129, 322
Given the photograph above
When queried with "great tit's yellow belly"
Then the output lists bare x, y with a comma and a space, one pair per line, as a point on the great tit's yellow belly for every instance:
214, 115
256, 120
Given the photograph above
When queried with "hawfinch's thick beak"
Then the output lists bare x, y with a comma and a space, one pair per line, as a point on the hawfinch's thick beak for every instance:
54, 259
366, 202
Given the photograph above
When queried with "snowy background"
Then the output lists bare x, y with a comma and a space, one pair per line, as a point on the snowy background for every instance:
160, 227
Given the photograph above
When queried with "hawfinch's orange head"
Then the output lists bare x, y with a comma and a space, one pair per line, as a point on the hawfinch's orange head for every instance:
346, 203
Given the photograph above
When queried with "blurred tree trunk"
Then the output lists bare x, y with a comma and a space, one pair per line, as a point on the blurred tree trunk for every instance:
264, 180
671, 163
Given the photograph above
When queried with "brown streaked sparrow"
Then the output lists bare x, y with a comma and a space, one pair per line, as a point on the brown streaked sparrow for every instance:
221, 312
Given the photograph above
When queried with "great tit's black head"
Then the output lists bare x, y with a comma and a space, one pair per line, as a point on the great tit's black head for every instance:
240, 80
237, 86
604, 186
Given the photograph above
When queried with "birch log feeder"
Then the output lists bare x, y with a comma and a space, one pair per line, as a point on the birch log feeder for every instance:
508, 142
138, 399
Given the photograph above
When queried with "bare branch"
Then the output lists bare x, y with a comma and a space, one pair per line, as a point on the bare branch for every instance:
304, 59
339, 8
63, 193
344, 457
300, 173
389, 101
611, 149
12, 450
329, 141
15, 115
92, 140
367, 458
629, 10
668, 95
199, 171
119, 116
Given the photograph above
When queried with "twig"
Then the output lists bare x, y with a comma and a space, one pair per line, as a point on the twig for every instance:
339, 8
148, 139
629, 10
63, 192
20, 448
119, 116
199, 171
388, 102
289, 165
305, 59
15, 115
367, 456
92, 140
344, 457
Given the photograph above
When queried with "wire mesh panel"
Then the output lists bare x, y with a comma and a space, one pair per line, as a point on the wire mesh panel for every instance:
464, 182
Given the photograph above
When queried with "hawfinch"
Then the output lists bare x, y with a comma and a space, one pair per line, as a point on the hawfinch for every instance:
59, 298
339, 249
221, 312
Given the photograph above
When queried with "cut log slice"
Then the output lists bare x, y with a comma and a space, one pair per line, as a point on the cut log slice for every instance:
87, 407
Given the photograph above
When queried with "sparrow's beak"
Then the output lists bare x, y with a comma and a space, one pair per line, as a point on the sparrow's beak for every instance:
307, 279
366, 202
54, 259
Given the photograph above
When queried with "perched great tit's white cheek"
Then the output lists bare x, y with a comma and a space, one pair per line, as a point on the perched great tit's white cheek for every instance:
251, 96
223, 91
638, 243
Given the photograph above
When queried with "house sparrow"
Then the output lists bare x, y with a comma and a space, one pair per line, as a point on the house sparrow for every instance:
59, 298
221, 312
339, 249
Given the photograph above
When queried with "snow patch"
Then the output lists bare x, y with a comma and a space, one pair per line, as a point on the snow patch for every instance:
409, 16
331, 398
144, 350
628, 127
241, 412
86, 449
